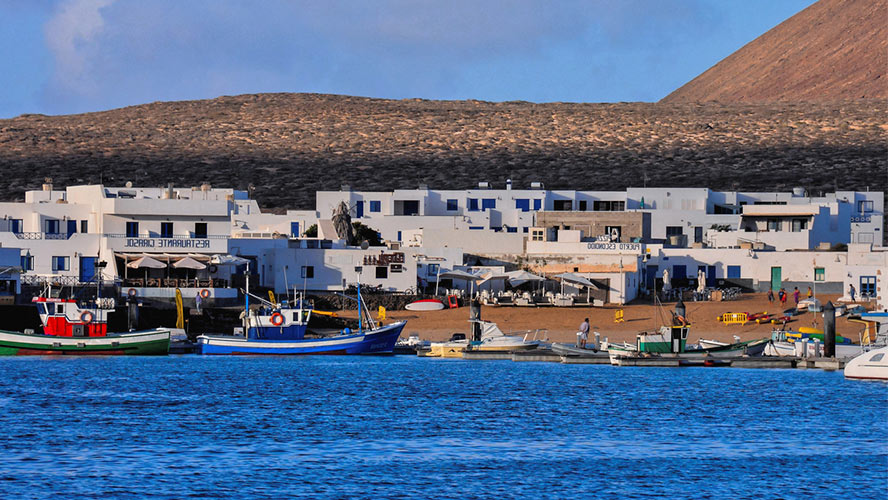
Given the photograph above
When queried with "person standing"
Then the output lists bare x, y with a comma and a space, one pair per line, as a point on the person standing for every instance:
852, 292
795, 295
810, 293
770, 296
583, 334
782, 296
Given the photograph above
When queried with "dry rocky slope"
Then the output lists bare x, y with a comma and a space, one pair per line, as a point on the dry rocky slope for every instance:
290, 145
833, 50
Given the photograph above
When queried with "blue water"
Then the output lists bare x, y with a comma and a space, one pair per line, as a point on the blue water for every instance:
404, 427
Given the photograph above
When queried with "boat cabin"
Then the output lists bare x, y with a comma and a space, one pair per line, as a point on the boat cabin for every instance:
65, 318
284, 322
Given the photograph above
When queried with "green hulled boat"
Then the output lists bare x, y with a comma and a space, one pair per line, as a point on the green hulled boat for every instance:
149, 342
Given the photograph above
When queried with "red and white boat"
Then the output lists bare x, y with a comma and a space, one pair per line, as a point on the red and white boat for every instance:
65, 318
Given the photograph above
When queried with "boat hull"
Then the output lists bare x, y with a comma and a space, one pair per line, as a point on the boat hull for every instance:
381, 340
425, 305
152, 342
871, 365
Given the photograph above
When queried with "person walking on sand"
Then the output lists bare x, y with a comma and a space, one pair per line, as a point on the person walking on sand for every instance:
583, 334
782, 296
810, 293
852, 292
795, 295
770, 296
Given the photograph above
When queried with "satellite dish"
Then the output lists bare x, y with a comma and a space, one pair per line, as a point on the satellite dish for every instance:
365, 245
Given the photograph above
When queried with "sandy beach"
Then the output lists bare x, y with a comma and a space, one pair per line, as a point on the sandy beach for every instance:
562, 323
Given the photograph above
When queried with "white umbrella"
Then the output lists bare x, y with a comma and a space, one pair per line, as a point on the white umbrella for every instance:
223, 259
460, 275
189, 263
701, 280
575, 279
147, 263
666, 283
519, 277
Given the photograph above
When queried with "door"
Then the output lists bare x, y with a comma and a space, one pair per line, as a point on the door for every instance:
87, 269
776, 278
710, 275
72, 227
698, 234
651, 276
679, 272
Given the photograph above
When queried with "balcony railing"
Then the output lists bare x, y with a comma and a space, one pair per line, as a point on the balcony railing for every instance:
173, 237
43, 236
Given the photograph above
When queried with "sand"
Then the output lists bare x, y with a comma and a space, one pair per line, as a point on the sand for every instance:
562, 323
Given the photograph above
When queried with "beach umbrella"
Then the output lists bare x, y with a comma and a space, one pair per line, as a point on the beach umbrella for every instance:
701, 280
667, 285
491, 276
576, 279
518, 277
226, 259
462, 275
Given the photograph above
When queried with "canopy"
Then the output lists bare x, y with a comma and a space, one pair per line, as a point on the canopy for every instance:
575, 279
188, 263
223, 259
460, 275
518, 277
147, 263
493, 276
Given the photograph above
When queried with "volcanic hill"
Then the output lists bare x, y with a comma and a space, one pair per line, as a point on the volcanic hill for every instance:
834, 50
290, 145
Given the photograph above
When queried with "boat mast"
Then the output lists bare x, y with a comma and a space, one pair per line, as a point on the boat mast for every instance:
247, 303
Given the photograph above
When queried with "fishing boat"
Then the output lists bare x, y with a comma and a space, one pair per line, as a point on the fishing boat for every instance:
282, 328
491, 339
871, 365
72, 328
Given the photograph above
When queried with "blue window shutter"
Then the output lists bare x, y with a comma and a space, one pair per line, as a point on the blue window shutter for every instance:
537, 204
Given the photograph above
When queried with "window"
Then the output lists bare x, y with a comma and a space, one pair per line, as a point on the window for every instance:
375, 206
523, 229
166, 229
734, 272
61, 263
865, 206
799, 225
132, 229
15, 225
537, 204
308, 272
773, 225
819, 274
200, 229
472, 204
433, 270
27, 262
522, 204
562, 205
582, 205
614, 232
399, 236
488, 204
84, 226
382, 272
877, 357
867, 286
452, 205
674, 231
609, 206
359, 209
72, 227
511, 229
537, 235
52, 226
679, 272
476, 228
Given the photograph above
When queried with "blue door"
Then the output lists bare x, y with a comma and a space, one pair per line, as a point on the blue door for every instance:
710, 275
72, 227
651, 276
87, 269
359, 210
294, 229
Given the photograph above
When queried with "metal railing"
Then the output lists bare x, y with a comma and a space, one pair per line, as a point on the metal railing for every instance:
42, 236
173, 237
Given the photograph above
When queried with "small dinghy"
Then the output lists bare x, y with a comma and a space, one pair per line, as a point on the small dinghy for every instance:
425, 305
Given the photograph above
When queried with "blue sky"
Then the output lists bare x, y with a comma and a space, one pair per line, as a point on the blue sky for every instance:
72, 56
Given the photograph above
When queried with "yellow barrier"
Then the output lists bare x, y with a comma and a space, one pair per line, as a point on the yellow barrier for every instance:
734, 318
618, 316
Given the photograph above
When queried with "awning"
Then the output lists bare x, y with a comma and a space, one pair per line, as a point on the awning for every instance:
518, 277
460, 275
576, 279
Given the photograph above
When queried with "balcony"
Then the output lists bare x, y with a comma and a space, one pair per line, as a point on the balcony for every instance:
43, 236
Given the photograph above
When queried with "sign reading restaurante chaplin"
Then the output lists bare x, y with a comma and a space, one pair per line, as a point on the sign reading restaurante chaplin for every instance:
167, 243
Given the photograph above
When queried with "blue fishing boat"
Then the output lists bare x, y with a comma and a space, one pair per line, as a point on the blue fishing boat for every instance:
283, 329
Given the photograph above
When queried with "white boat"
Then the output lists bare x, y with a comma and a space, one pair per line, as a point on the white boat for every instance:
492, 339
871, 365
425, 305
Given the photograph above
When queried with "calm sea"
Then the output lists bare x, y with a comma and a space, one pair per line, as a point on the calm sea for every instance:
403, 427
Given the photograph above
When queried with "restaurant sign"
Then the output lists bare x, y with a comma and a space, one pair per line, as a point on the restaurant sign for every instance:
167, 243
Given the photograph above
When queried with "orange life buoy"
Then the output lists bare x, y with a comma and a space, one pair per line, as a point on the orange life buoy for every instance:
682, 320
205, 293
87, 317
277, 319
132, 292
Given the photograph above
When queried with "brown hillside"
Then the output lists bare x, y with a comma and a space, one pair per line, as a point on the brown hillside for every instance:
833, 50
289, 145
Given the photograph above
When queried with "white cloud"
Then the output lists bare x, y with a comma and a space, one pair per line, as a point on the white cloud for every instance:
70, 34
